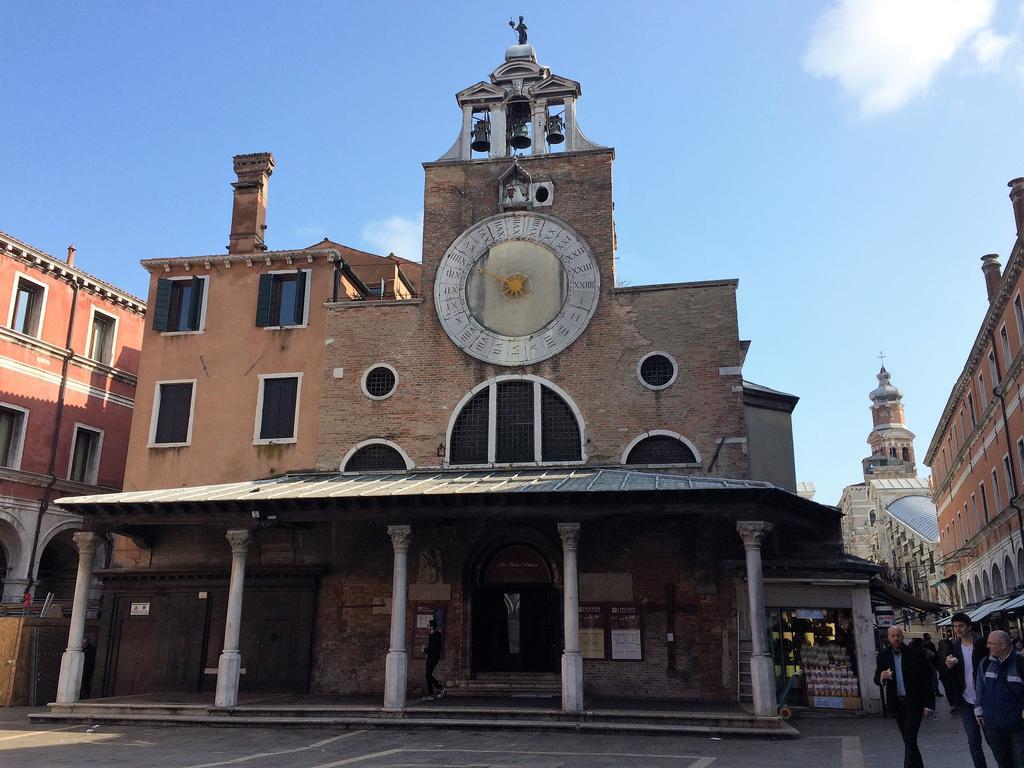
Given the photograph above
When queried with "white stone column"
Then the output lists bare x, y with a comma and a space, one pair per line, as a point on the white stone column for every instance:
571, 134
69, 683
572, 661
499, 147
396, 667
229, 668
466, 137
539, 118
762, 672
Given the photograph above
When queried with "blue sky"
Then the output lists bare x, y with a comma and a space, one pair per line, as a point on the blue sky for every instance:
846, 160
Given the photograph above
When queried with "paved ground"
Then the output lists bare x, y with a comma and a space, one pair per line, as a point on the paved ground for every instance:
828, 742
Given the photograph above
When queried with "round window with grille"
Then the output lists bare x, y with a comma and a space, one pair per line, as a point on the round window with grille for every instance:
656, 370
380, 381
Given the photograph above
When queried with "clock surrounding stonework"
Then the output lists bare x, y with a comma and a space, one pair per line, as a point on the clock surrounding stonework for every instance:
516, 288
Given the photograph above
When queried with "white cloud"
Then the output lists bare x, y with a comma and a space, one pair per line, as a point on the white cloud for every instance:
400, 235
989, 48
885, 52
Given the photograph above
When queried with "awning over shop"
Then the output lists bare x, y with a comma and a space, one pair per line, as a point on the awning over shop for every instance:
1014, 603
944, 622
987, 608
898, 597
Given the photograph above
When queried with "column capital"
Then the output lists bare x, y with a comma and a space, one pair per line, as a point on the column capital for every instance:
753, 532
86, 541
570, 533
401, 536
239, 538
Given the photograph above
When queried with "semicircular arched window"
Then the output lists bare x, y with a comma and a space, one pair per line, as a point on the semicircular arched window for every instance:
532, 423
375, 457
661, 449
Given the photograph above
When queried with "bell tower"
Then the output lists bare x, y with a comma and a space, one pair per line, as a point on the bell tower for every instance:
892, 443
522, 203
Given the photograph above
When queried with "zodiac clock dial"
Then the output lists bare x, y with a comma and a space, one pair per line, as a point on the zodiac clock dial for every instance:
516, 288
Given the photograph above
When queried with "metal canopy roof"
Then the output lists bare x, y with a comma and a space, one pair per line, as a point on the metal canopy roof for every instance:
323, 488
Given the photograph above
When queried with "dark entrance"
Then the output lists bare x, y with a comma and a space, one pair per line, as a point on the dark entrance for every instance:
516, 616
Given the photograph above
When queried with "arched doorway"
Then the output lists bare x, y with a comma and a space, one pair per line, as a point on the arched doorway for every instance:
516, 613
1009, 575
997, 581
58, 568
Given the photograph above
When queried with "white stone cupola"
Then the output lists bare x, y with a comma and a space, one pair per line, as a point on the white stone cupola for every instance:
892, 443
524, 109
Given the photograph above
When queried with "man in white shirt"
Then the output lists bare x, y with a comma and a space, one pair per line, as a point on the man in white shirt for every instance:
966, 653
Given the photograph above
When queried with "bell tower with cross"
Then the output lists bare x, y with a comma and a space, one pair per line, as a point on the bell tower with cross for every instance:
892, 443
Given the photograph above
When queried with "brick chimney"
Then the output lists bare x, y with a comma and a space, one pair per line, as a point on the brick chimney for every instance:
1017, 198
249, 212
71, 255
990, 266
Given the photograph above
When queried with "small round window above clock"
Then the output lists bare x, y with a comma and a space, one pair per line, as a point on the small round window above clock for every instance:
516, 288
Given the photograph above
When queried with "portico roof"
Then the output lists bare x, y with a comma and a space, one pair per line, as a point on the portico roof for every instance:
344, 490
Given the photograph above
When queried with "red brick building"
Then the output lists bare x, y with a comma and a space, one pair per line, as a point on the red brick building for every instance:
977, 452
557, 469
69, 355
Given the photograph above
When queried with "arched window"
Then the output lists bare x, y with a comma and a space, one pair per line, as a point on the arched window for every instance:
978, 595
963, 596
906, 454
970, 593
376, 456
1009, 575
660, 446
997, 581
987, 593
533, 422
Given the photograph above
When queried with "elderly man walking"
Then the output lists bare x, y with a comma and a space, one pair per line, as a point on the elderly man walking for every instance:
905, 677
1000, 700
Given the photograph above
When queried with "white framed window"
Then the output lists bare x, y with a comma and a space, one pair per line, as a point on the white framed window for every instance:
86, 449
283, 300
984, 500
1020, 455
173, 409
993, 369
1004, 342
997, 497
376, 455
657, 370
13, 426
970, 408
180, 305
379, 381
102, 339
277, 408
661, 448
1011, 489
1018, 314
28, 305
976, 519
982, 394
515, 419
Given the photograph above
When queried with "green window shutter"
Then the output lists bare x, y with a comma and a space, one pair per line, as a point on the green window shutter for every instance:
195, 303
263, 302
300, 297
162, 308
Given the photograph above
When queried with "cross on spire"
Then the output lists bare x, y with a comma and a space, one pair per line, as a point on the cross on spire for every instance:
881, 356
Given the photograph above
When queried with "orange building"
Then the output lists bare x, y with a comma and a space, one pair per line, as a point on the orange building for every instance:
977, 452
69, 355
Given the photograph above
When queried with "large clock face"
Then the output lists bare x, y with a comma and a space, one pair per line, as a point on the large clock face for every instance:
516, 288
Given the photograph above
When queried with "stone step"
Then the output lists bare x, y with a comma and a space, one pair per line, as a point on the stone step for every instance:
518, 719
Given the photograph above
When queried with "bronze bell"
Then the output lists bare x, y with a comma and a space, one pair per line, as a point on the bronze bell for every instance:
481, 137
520, 138
555, 130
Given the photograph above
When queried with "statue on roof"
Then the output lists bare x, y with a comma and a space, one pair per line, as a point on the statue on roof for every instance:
520, 29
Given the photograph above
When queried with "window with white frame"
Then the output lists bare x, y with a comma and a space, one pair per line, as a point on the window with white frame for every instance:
660, 447
993, 368
982, 394
180, 305
283, 299
518, 420
28, 304
1011, 487
974, 513
1020, 454
277, 412
102, 332
970, 408
984, 501
1018, 313
1004, 342
997, 497
86, 447
13, 420
172, 413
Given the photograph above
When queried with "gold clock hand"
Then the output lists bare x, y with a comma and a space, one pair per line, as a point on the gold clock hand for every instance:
483, 271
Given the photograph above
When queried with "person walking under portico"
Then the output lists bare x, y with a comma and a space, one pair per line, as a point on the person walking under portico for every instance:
903, 675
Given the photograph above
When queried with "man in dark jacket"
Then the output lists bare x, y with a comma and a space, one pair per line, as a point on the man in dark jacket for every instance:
963, 657
906, 682
1000, 707
435, 645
